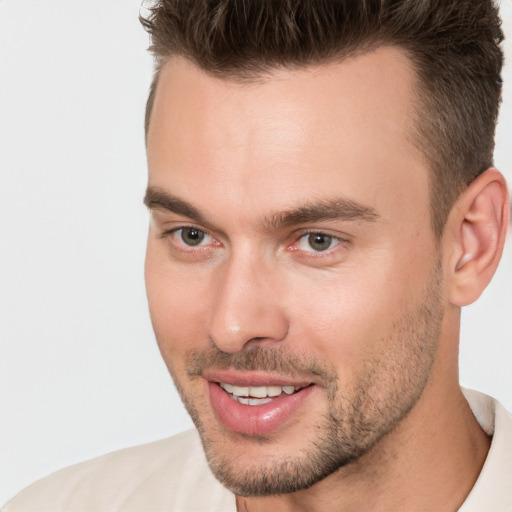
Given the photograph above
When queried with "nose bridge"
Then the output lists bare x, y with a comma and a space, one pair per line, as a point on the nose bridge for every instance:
246, 306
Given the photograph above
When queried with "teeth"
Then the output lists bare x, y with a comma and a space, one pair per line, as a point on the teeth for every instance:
253, 401
273, 390
240, 391
258, 392
227, 387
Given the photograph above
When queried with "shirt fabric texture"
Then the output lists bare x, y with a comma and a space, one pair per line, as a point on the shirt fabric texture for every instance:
172, 475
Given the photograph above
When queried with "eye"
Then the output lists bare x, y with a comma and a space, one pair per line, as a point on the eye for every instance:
316, 242
192, 237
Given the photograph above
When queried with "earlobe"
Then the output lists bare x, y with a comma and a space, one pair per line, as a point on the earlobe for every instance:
478, 224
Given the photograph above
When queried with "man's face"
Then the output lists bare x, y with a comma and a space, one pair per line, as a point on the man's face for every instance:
290, 258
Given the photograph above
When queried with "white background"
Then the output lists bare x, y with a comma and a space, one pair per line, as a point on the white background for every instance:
80, 373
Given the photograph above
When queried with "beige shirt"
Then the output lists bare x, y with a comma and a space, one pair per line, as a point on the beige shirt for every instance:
172, 475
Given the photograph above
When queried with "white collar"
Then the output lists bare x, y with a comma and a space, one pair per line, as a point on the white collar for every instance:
493, 488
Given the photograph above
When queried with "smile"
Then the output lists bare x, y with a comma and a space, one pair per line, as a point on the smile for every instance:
257, 395
256, 404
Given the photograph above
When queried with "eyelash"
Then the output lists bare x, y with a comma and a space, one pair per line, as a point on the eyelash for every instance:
337, 240
171, 233
292, 247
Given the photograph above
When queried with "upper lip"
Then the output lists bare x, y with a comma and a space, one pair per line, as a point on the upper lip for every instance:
250, 378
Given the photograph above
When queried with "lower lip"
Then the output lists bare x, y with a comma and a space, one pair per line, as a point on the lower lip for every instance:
255, 420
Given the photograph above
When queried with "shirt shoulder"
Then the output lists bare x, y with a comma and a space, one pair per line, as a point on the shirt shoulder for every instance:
169, 475
493, 488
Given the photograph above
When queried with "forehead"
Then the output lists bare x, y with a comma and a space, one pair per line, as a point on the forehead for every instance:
342, 128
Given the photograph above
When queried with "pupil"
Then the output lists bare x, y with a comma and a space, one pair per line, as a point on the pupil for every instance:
319, 242
192, 236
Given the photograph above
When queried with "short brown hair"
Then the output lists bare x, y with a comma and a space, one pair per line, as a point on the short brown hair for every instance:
454, 46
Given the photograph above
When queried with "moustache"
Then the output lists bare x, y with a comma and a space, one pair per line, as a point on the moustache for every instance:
255, 358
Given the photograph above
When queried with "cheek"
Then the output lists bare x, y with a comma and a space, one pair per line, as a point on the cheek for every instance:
339, 326
177, 299
347, 318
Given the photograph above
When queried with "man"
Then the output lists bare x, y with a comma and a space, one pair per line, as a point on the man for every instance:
323, 203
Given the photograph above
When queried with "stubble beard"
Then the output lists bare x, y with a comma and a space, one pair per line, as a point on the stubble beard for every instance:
386, 389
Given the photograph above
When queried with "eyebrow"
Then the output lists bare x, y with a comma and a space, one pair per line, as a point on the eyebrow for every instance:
157, 199
331, 209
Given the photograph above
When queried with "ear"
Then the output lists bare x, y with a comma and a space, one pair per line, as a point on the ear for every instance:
474, 235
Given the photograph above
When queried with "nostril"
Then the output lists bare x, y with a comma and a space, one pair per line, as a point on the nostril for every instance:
234, 328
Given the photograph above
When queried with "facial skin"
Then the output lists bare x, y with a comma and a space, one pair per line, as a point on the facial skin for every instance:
290, 244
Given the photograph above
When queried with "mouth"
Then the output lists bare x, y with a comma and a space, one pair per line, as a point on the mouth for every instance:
255, 405
257, 395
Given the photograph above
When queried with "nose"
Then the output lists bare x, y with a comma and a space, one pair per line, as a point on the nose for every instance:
247, 306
